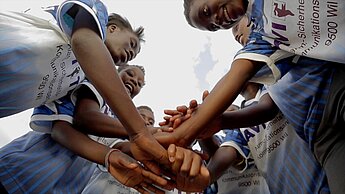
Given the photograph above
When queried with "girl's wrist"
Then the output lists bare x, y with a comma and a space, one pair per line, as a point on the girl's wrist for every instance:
106, 158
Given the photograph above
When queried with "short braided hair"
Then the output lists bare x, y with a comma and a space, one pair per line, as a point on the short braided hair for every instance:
116, 19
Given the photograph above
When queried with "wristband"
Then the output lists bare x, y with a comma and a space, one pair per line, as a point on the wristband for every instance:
106, 158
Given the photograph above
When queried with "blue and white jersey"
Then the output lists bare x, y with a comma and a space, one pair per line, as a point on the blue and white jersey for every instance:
100, 181
282, 29
302, 94
35, 163
282, 157
249, 179
63, 109
37, 64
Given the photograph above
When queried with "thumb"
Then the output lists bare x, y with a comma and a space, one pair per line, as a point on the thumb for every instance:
172, 152
205, 94
204, 171
128, 162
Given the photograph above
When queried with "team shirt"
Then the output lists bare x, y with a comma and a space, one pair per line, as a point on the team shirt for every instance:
247, 180
35, 163
281, 155
286, 35
302, 94
307, 28
42, 119
282, 29
37, 64
63, 110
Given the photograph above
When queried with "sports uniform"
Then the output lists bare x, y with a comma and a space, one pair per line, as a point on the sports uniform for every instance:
281, 156
37, 64
100, 181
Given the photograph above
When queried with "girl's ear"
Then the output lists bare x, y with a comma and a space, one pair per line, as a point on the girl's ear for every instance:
112, 28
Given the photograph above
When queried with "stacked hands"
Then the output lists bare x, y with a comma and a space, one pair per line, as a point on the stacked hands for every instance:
177, 167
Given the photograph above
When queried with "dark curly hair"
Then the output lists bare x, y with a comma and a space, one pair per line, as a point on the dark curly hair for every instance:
116, 19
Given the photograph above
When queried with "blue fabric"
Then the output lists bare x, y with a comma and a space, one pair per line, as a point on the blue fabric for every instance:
237, 137
301, 95
95, 7
35, 163
290, 167
35, 72
43, 116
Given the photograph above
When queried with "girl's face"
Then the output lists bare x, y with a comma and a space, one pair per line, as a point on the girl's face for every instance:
147, 116
123, 44
133, 78
213, 15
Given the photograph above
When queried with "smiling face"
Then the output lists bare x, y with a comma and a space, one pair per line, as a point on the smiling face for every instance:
213, 15
133, 78
123, 44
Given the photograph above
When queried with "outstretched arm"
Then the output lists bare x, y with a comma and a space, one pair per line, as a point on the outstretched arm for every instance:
121, 166
262, 112
209, 145
220, 98
265, 110
232, 118
90, 50
78, 142
90, 120
99, 67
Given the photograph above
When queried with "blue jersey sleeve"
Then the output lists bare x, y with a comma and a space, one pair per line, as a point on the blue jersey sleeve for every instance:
43, 116
62, 109
95, 7
235, 139
277, 61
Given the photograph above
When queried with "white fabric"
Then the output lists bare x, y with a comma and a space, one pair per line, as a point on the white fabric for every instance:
309, 28
44, 59
248, 182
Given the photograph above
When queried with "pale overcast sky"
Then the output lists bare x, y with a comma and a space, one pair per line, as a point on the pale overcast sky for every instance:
180, 61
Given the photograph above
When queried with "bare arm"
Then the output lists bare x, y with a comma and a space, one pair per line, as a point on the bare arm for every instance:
253, 115
90, 120
92, 55
78, 142
99, 67
220, 98
221, 161
209, 145
124, 168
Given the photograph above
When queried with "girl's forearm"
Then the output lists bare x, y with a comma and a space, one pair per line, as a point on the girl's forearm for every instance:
219, 99
92, 53
78, 142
